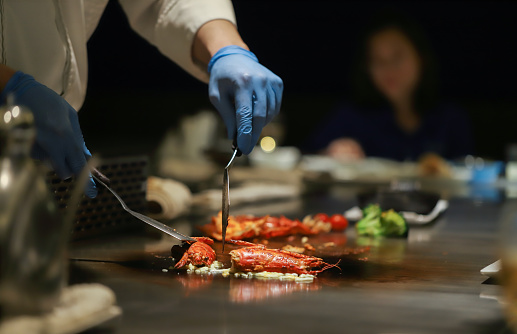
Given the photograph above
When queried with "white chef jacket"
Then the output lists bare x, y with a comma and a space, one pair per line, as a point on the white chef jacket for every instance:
47, 38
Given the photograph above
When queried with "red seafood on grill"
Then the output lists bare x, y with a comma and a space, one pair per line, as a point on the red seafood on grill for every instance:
257, 258
199, 253
247, 227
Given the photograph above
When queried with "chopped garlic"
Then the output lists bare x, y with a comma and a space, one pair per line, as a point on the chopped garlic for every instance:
217, 268
294, 249
307, 275
304, 279
216, 271
304, 240
272, 274
216, 265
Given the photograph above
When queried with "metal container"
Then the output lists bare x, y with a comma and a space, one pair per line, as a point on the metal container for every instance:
33, 235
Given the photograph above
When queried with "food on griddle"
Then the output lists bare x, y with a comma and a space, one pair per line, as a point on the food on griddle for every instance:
198, 253
258, 258
248, 227
316, 225
294, 249
376, 223
251, 262
338, 222
302, 278
215, 268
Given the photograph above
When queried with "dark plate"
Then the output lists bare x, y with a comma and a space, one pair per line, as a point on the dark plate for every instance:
413, 201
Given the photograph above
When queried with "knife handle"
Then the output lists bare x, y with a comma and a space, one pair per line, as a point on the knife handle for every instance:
234, 147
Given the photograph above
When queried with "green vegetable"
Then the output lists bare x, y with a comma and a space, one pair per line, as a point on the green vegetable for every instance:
377, 223
394, 224
371, 222
372, 210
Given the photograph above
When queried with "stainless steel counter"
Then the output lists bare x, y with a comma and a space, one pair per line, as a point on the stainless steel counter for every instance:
429, 283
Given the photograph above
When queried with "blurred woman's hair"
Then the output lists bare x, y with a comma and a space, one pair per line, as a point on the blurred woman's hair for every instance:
366, 94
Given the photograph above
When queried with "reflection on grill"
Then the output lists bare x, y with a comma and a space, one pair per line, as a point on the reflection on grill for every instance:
104, 214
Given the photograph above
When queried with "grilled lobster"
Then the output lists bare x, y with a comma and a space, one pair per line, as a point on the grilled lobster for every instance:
247, 227
257, 258
199, 253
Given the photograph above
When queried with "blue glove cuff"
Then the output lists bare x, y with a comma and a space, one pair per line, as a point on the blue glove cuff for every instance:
230, 50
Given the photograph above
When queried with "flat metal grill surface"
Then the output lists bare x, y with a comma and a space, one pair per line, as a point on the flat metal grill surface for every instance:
104, 214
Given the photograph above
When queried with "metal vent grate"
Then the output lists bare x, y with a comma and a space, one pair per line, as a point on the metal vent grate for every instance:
104, 214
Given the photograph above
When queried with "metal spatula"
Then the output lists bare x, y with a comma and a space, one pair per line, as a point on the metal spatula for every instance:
226, 192
103, 180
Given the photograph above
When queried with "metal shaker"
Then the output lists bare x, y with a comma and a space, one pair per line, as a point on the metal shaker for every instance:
33, 235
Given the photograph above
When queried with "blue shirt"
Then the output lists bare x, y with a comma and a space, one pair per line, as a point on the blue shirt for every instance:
445, 130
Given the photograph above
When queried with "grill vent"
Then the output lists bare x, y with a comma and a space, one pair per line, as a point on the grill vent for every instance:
104, 214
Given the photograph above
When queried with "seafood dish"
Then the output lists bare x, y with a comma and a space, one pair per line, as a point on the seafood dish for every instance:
198, 253
248, 227
258, 258
253, 260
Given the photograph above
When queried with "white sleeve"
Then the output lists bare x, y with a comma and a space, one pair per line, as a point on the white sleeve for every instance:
171, 25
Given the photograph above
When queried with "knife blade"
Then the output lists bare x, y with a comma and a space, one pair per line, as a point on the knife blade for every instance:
226, 192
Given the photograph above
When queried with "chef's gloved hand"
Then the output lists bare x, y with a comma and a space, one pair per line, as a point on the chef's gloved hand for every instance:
246, 94
58, 136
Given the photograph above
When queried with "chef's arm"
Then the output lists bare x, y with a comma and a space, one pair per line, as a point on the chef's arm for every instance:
197, 33
171, 25
246, 94
211, 37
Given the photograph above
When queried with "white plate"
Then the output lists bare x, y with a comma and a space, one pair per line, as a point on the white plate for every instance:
356, 213
81, 307
492, 270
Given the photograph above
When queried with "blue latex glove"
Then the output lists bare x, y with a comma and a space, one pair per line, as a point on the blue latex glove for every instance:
246, 94
58, 136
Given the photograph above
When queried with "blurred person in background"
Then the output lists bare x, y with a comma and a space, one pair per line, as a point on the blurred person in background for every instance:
44, 67
397, 113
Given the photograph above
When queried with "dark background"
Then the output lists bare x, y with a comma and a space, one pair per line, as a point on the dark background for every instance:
135, 94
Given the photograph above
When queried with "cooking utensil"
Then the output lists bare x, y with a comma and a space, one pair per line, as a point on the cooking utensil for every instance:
226, 191
33, 235
103, 180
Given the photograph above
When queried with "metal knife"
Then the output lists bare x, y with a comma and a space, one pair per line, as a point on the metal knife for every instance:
226, 191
